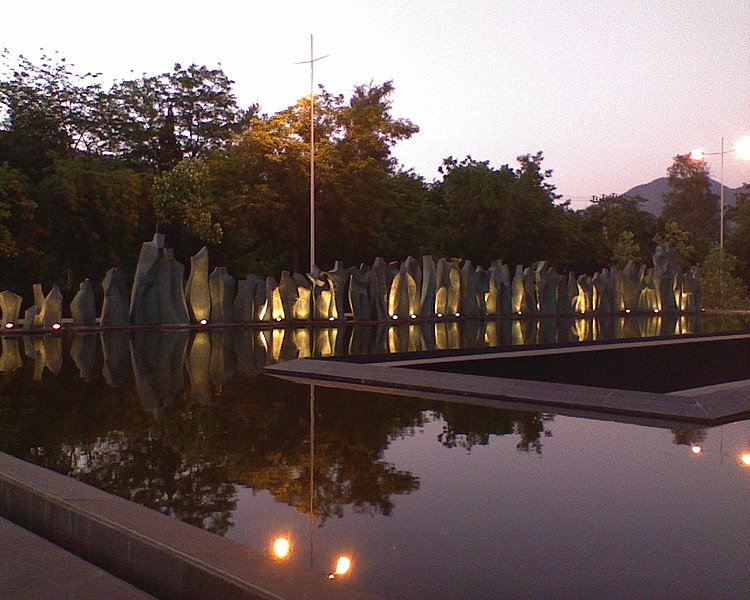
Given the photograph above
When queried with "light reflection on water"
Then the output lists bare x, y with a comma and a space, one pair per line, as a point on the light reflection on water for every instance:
427, 499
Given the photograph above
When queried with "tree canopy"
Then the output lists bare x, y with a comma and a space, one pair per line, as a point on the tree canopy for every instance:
88, 171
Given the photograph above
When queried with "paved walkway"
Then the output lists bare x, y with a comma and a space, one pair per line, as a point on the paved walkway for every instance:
31, 568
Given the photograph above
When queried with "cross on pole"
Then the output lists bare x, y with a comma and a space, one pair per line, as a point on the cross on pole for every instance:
311, 62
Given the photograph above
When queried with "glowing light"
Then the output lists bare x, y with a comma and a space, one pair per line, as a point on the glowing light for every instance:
203, 321
440, 315
331, 318
343, 565
627, 311
519, 312
656, 311
278, 319
696, 449
395, 317
56, 326
697, 154
583, 312
458, 314
745, 459
742, 147
413, 316
9, 326
282, 547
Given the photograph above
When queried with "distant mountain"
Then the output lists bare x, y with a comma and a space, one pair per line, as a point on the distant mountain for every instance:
653, 193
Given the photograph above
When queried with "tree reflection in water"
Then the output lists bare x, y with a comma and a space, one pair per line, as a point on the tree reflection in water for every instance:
178, 428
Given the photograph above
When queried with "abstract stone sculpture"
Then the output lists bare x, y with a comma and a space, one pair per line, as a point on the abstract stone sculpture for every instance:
288, 294
359, 294
378, 289
427, 297
303, 307
144, 300
10, 305
469, 306
547, 282
115, 307
83, 306
221, 286
403, 301
197, 292
337, 279
530, 302
665, 271
52, 312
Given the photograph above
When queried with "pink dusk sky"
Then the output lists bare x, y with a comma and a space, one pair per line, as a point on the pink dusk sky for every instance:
610, 91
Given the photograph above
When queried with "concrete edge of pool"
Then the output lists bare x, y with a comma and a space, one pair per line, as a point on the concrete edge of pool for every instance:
709, 406
154, 552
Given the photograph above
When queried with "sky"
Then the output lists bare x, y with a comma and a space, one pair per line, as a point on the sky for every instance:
609, 91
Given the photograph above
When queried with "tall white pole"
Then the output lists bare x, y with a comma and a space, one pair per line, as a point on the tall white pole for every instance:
721, 201
312, 159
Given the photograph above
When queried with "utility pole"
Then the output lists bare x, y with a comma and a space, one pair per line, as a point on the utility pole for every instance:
311, 62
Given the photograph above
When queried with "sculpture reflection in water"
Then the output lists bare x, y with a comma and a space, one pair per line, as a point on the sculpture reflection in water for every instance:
215, 354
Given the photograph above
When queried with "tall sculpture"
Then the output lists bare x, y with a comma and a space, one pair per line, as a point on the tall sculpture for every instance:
115, 307
197, 292
10, 305
83, 306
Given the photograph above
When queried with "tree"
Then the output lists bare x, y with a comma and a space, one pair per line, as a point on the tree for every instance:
691, 204
625, 249
738, 240
46, 112
91, 216
603, 225
506, 213
181, 199
677, 240
16, 209
160, 119
365, 205
720, 287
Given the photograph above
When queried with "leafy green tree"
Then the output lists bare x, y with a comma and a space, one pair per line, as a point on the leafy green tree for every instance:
181, 199
91, 216
720, 287
738, 239
16, 211
189, 112
691, 204
678, 240
505, 213
603, 225
625, 249
365, 205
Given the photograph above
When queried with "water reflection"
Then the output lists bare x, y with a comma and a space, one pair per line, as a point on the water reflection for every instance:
185, 423
212, 356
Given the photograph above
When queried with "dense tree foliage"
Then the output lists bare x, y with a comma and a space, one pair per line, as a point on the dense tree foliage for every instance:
87, 172
691, 205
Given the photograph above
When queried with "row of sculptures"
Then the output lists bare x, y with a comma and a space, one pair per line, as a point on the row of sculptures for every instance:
382, 292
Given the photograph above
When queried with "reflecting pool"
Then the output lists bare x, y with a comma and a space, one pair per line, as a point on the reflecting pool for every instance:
425, 499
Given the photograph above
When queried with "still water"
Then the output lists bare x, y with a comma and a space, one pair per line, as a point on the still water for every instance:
428, 499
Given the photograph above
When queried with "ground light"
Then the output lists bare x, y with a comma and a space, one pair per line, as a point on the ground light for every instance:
282, 548
343, 566
9, 326
696, 449
203, 321
56, 326
745, 459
